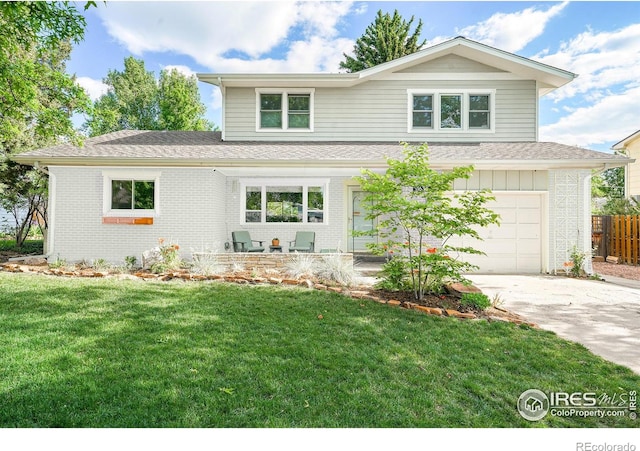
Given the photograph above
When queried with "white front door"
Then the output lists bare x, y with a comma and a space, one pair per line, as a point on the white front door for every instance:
357, 221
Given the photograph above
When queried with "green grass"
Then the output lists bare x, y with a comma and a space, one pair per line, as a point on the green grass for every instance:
106, 353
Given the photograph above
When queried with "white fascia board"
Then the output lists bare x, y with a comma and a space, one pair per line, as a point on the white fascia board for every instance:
279, 80
490, 56
625, 142
348, 165
529, 164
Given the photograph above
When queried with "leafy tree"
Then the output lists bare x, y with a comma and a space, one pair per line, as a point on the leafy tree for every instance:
386, 39
179, 109
137, 101
37, 97
608, 190
414, 207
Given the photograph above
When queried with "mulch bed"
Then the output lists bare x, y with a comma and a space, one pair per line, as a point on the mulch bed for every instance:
443, 301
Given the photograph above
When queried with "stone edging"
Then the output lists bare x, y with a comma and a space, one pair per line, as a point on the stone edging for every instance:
240, 279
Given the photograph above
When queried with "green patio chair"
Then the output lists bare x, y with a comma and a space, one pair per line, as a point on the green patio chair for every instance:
242, 242
304, 242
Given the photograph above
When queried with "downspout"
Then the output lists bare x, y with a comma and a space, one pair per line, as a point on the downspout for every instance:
48, 238
586, 238
222, 94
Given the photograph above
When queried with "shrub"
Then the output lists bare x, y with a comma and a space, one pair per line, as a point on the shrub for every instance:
301, 265
130, 262
170, 258
395, 272
577, 262
206, 264
478, 300
335, 268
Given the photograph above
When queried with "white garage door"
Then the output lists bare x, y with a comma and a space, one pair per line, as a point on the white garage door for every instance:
515, 246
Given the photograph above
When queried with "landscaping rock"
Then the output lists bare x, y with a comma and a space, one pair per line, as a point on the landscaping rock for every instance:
612, 259
151, 257
394, 302
35, 261
306, 283
457, 289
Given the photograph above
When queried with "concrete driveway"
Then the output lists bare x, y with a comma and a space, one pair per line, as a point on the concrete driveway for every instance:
602, 316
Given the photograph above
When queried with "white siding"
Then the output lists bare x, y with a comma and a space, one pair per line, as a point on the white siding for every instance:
191, 215
377, 111
450, 64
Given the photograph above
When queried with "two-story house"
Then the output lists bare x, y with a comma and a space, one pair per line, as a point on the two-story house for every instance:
291, 144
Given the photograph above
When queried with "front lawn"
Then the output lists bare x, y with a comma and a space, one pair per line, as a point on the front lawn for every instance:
107, 353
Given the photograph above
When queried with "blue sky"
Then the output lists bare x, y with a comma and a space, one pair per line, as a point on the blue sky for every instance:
600, 41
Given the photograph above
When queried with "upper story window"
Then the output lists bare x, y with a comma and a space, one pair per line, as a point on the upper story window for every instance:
423, 111
284, 110
451, 111
479, 111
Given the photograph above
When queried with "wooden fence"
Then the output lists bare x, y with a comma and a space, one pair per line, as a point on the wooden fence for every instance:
617, 236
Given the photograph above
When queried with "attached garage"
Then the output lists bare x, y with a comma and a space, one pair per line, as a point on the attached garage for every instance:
516, 245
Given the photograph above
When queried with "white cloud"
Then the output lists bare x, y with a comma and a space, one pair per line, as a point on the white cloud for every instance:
607, 121
232, 36
512, 31
602, 61
184, 70
94, 88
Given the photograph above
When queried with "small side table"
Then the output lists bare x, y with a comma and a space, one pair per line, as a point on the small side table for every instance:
275, 248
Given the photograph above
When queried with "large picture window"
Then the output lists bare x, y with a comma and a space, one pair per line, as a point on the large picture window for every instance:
451, 111
277, 202
284, 110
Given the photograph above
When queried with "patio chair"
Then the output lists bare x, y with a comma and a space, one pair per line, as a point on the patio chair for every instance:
304, 242
242, 242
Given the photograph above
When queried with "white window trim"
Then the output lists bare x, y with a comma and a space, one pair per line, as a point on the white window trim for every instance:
304, 183
138, 175
436, 119
285, 109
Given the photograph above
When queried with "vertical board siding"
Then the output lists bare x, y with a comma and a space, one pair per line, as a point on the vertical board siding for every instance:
504, 181
377, 111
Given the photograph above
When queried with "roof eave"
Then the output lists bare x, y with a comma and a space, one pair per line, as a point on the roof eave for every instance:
622, 144
372, 164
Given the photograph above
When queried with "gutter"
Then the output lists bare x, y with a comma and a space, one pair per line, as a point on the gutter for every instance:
317, 163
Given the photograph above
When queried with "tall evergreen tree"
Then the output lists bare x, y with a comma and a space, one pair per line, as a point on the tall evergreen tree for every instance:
386, 39
137, 101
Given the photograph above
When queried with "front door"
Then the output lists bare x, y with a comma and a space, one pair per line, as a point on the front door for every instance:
358, 221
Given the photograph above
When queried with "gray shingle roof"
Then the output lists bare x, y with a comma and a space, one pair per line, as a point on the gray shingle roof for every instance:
197, 148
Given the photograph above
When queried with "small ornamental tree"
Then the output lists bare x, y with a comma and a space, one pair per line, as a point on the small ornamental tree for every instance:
415, 207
